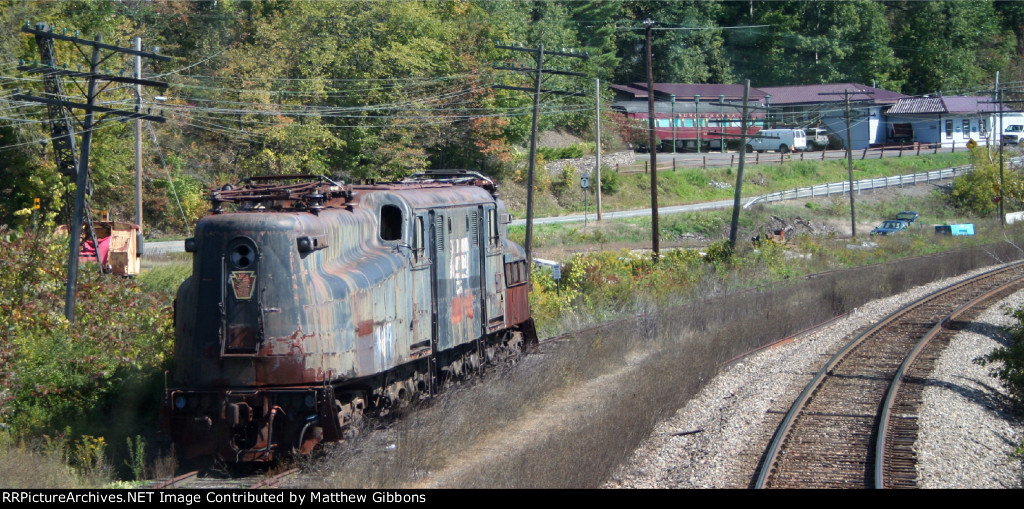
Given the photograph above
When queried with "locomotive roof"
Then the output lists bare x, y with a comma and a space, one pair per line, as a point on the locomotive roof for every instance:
314, 193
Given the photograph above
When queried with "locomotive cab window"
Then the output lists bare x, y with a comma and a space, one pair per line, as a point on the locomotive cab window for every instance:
516, 273
390, 223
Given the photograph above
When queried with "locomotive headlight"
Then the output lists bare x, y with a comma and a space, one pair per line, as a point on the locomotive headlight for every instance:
242, 256
179, 402
310, 400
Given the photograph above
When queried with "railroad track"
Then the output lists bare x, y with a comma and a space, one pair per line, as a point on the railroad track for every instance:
193, 481
854, 424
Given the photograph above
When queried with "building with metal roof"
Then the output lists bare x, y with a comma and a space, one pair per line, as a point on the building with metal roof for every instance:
949, 121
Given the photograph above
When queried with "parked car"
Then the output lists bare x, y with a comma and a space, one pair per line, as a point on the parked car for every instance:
908, 215
890, 226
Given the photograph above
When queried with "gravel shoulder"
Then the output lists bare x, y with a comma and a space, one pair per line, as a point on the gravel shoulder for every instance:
716, 440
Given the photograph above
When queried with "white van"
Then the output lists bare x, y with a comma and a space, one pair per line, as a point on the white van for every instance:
782, 140
1012, 134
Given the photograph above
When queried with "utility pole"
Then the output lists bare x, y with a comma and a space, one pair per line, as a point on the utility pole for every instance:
696, 120
849, 167
538, 73
999, 99
655, 249
738, 194
744, 123
45, 36
721, 118
138, 136
1000, 103
849, 155
533, 157
672, 119
597, 143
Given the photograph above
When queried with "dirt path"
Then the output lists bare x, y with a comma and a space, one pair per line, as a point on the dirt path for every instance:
550, 418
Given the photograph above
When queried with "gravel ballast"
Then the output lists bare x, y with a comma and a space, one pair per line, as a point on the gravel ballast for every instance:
715, 441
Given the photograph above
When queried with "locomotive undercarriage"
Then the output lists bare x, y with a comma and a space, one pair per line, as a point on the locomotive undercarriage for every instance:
259, 425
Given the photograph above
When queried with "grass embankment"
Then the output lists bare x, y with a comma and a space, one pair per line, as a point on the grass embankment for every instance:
560, 194
700, 229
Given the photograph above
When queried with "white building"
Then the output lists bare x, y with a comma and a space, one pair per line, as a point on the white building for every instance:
825, 104
948, 121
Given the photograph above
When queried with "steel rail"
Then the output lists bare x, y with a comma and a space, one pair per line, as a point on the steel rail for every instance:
175, 482
783, 431
275, 481
897, 382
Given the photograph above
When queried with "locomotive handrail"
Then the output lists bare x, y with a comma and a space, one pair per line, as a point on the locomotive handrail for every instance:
310, 194
454, 177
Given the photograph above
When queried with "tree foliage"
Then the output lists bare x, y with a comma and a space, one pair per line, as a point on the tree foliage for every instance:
53, 372
949, 46
978, 191
376, 90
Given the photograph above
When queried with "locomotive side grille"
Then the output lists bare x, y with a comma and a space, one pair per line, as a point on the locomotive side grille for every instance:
439, 232
474, 227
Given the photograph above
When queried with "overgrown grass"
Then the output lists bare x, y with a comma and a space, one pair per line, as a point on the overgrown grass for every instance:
700, 228
569, 417
165, 273
606, 284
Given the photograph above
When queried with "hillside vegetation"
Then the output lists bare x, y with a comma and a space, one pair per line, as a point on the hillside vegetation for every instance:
376, 90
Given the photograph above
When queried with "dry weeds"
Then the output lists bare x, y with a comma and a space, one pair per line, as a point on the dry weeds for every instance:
567, 417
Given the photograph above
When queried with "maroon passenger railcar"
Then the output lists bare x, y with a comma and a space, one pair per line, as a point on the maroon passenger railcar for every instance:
687, 124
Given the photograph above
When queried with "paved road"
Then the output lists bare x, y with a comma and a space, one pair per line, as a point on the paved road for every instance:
165, 247
592, 216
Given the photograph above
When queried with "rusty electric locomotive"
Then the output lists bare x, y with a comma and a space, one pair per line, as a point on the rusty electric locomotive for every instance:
312, 302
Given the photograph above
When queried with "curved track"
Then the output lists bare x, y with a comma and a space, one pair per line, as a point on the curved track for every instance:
854, 424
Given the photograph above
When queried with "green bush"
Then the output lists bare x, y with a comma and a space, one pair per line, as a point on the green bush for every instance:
977, 192
610, 180
1008, 362
54, 374
574, 151
719, 252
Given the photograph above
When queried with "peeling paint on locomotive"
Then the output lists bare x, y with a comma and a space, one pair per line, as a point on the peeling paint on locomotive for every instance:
314, 301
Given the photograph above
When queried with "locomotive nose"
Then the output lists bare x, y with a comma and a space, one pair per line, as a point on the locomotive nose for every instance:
241, 303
